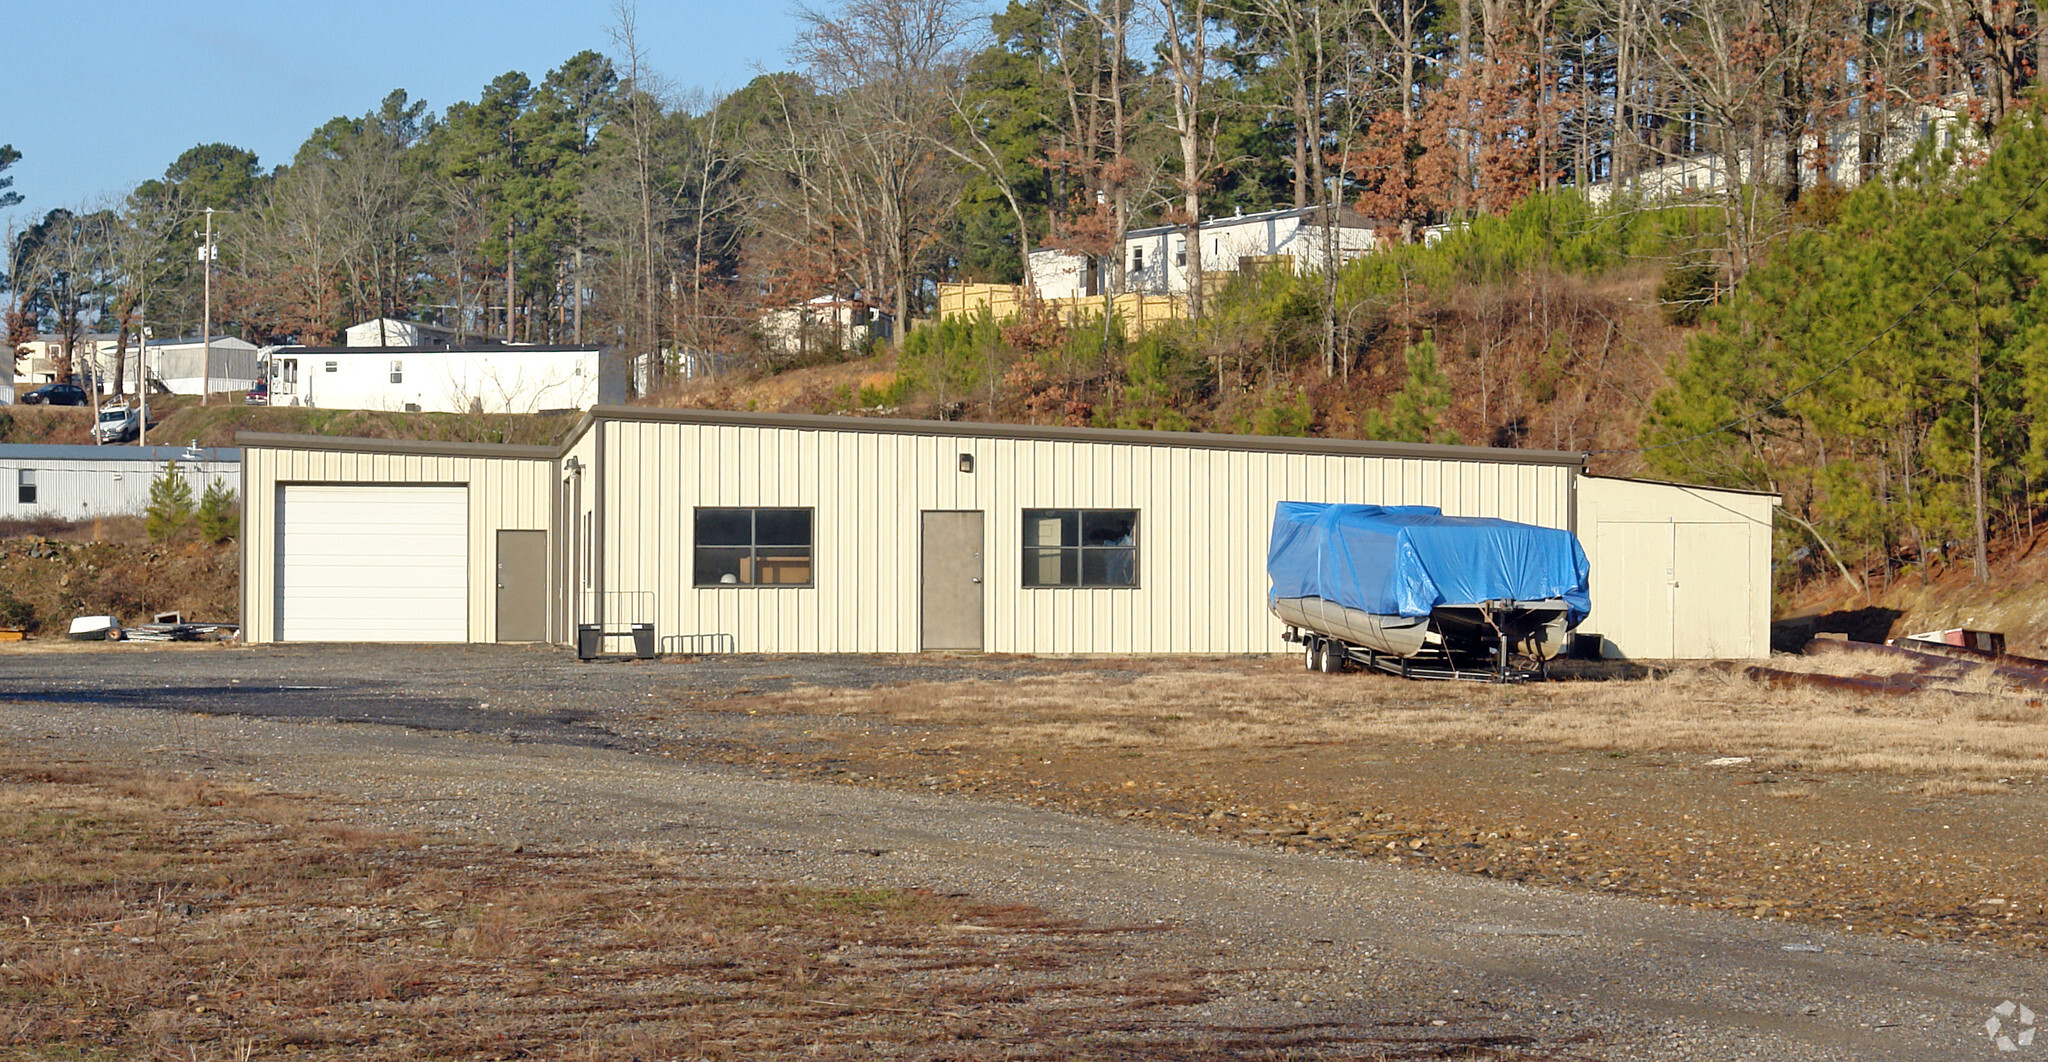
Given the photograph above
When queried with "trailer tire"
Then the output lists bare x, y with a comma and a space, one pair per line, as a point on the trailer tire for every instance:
1312, 653
1332, 659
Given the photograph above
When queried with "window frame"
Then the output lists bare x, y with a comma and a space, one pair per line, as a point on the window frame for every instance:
755, 548
24, 486
1080, 550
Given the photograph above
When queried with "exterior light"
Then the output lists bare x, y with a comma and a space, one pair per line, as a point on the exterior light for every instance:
966, 462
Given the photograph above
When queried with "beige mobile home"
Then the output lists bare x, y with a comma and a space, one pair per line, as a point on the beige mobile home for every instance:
779, 533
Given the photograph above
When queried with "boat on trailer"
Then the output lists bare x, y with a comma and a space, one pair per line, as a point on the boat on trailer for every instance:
1410, 591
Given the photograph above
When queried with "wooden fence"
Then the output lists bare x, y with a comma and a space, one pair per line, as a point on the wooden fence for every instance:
1139, 313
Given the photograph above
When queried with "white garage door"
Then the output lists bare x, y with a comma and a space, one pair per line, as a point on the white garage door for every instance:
373, 564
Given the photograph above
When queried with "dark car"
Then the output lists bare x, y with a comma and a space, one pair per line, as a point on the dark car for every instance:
56, 394
259, 393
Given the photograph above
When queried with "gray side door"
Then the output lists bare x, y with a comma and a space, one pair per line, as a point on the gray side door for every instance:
950, 594
522, 586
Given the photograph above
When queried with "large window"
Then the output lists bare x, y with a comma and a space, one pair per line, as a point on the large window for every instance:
1080, 547
753, 547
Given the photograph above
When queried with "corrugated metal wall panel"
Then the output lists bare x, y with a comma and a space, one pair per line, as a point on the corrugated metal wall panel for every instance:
82, 490
1204, 517
505, 494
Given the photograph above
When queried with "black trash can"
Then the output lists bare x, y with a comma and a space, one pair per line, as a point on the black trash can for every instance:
589, 641
643, 640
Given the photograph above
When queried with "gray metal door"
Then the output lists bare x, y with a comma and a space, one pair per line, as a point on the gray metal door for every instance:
951, 590
522, 586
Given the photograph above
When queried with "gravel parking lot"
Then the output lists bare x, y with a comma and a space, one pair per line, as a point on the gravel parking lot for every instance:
526, 746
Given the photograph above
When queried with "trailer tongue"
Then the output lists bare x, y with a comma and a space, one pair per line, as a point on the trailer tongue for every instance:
1413, 592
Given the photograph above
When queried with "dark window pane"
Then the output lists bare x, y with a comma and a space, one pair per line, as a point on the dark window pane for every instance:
1049, 567
1051, 527
725, 527
1109, 567
723, 566
1108, 527
782, 527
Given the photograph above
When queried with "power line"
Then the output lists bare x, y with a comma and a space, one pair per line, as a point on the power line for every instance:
1859, 351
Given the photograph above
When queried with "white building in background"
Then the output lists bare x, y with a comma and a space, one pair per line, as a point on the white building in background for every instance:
1851, 149
184, 366
828, 322
391, 332
517, 379
1155, 260
179, 365
42, 356
83, 482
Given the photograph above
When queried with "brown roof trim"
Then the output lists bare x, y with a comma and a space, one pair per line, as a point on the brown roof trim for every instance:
263, 440
1772, 494
977, 430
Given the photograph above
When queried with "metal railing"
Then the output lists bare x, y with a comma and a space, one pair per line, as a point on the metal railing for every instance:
699, 644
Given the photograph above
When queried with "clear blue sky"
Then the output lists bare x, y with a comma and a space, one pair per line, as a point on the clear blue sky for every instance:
103, 94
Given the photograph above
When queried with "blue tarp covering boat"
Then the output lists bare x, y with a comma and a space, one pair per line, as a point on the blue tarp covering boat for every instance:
1356, 583
1407, 560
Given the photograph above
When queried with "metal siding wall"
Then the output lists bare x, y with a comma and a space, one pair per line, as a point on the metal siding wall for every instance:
1204, 520
1612, 511
82, 490
509, 493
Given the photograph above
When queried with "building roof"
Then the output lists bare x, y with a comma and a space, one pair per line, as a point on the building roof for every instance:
1345, 219
151, 454
472, 348
943, 428
1691, 486
195, 341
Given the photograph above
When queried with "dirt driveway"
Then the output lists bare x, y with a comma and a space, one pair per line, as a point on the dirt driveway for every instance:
1310, 874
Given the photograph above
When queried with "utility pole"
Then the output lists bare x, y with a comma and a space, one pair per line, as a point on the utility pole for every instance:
142, 368
206, 326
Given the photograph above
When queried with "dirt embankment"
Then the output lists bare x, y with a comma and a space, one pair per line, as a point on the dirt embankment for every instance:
55, 580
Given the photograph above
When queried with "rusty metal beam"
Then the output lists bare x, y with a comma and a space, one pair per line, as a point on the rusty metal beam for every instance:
2032, 678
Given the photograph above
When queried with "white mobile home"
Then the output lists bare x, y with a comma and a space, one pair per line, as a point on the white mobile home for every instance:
516, 379
1155, 260
83, 482
188, 366
390, 332
781, 533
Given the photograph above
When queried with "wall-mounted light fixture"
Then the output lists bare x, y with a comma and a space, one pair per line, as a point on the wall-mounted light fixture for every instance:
966, 462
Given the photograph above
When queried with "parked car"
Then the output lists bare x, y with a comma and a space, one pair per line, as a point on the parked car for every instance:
56, 394
117, 424
259, 394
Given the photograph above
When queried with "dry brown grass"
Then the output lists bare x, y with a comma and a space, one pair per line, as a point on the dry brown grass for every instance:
1974, 728
153, 916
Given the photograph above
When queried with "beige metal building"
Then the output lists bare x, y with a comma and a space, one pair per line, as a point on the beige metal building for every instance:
778, 533
1678, 572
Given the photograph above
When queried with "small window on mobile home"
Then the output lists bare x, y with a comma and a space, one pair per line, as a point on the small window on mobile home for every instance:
333, 366
397, 372
25, 486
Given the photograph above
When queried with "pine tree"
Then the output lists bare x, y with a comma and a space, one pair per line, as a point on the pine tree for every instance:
1416, 413
220, 519
170, 503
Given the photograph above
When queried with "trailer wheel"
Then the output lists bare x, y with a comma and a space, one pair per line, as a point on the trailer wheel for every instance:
1332, 659
1312, 653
